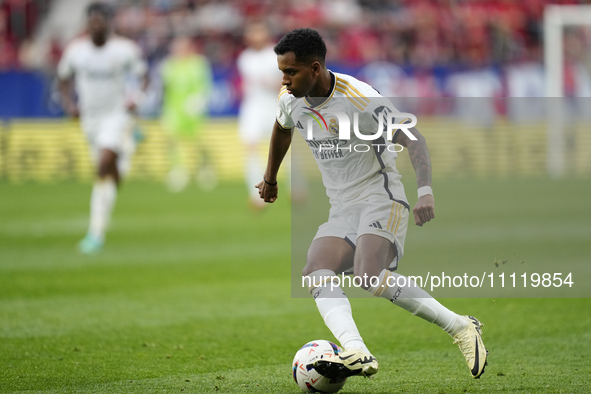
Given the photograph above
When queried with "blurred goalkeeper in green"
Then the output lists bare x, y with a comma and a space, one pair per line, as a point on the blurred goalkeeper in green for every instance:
187, 80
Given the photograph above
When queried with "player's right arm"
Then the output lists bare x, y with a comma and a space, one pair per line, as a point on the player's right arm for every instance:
65, 74
68, 104
280, 142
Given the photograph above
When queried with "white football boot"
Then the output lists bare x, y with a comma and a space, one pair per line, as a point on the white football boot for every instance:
470, 342
351, 362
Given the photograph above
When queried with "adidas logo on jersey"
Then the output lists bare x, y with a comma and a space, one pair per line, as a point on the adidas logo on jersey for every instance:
299, 125
376, 225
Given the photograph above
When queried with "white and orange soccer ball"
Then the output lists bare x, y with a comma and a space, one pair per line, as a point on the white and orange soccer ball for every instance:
309, 380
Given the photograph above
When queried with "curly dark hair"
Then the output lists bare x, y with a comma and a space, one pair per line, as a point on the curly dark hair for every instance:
101, 7
306, 44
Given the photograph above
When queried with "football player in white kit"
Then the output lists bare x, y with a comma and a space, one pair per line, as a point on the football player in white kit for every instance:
367, 222
100, 63
257, 66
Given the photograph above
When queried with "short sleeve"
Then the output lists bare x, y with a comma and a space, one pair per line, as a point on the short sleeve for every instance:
65, 68
283, 117
241, 64
137, 66
378, 109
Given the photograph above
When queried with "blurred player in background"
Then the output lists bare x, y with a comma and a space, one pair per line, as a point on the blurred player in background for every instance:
369, 213
187, 80
261, 80
100, 63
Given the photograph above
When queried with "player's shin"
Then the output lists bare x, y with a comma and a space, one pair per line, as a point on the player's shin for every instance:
405, 293
104, 194
335, 309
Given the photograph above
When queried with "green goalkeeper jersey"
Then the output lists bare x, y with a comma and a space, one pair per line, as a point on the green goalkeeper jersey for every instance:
187, 84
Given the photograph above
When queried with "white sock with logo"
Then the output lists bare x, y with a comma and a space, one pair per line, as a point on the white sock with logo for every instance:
405, 293
102, 200
335, 309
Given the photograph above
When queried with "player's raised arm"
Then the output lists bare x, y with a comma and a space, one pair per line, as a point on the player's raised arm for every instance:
280, 142
424, 210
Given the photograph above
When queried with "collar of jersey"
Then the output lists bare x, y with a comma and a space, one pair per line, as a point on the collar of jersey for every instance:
333, 81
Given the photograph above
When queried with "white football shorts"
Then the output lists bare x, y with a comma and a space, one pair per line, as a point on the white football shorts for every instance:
112, 131
377, 215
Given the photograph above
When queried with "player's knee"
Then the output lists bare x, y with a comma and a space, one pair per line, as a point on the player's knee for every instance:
316, 264
365, 274
103, 170
368, 268
310, 268
320, 281
107, 164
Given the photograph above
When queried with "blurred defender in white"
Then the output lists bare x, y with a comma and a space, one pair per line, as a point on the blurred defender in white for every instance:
100, 63
261, 80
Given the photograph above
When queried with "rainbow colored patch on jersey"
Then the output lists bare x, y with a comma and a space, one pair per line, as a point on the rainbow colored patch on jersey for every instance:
315, 118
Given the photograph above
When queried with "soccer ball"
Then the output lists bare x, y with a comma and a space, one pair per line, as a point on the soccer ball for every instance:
311, 381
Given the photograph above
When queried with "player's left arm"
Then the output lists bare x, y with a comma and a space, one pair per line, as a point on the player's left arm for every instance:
145, 81
418, 152
139, 68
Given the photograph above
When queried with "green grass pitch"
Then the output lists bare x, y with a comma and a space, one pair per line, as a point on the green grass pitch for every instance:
192, 294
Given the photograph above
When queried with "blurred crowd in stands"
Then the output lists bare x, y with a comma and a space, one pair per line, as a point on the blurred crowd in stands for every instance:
382, 39
18, 21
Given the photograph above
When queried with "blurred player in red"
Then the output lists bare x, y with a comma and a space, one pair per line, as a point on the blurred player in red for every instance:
99, 63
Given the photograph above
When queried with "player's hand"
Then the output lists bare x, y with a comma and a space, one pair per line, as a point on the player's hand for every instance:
134, 101
267, 192
131, 106
424, 211
71, 109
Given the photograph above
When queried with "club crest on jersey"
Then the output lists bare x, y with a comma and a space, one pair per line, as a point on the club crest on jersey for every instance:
333, 127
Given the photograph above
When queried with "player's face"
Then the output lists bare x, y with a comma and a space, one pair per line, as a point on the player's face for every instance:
256, 36
98, 25
299, 78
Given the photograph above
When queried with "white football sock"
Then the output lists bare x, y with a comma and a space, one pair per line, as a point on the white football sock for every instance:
254, 174
335, 309
405, 293
102, 200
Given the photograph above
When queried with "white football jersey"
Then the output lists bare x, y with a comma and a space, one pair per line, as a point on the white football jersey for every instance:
260, 81
358, 168
100, 72
260, 75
